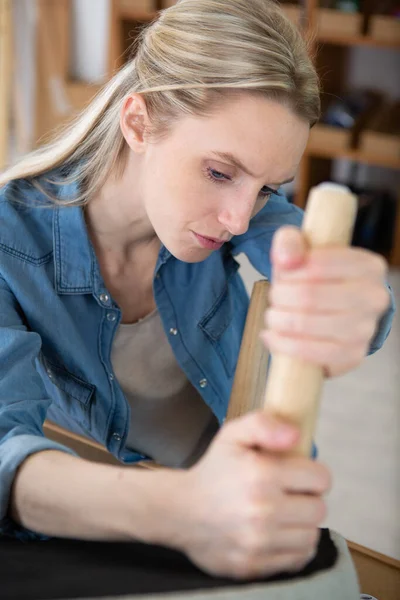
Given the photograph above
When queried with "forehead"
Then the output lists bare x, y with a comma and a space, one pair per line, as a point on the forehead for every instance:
263, 134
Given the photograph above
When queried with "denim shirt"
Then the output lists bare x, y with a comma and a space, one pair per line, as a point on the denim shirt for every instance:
58, 321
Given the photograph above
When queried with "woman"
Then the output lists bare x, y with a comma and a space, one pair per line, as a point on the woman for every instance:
122, 310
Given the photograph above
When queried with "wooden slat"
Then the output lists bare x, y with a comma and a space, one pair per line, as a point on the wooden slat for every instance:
251, 371
59, 98
137, 11
85, 447
115, 41
52, 101
5, 78
378, 574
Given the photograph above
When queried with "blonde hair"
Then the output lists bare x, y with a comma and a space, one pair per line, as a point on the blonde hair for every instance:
186, 61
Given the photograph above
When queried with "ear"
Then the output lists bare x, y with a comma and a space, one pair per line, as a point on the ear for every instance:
134, 119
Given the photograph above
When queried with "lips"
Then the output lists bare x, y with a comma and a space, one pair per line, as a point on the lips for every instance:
216, 240
209, 243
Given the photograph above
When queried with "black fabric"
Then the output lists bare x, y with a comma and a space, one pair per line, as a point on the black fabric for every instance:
61, 568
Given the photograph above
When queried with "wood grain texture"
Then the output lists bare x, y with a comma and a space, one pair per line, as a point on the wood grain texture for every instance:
251, 370
294, 386
5, 77
379, 575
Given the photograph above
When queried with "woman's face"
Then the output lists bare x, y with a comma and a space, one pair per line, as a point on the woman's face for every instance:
211, 175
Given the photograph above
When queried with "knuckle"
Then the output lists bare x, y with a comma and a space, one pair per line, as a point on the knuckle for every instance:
254, 493
359, 352
257, 515
320, 511
313, 539
381, 265
250, 547
307, 294
240, 566
300, 324
380, 299
325, 478
334, 353
364, 330
298, 563
250, 542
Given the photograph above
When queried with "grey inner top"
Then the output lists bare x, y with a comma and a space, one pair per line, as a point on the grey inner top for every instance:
169, 420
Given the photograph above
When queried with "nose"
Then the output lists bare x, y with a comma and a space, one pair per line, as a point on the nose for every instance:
236, 219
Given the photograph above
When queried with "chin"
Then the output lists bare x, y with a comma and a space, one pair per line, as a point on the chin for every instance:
189, 255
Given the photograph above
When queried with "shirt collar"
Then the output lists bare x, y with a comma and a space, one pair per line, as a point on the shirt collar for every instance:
73, 253
76, 267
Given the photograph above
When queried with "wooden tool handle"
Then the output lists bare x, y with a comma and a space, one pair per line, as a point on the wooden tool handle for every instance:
252, 366
294, 386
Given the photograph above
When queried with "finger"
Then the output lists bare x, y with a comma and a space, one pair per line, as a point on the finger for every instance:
330, 355
260, 429
335, 264
289, 248
296, 539
300, 475
265, 564
299, 510
356, 295
335, 326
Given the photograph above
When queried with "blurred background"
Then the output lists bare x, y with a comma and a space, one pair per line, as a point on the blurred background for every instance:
56, 54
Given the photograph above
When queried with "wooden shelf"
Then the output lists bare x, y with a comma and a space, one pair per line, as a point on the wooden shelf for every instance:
355, 155
347, 29
359, 40
130, 14
129, 10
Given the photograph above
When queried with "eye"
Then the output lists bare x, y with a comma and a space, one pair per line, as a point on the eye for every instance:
266, 192
217, 175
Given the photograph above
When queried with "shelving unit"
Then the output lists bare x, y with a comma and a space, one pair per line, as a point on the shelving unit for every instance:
332, 33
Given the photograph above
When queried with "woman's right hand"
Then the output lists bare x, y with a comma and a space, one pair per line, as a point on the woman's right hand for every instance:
252, 511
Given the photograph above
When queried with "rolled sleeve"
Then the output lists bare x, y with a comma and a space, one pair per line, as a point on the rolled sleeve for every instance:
23, 403
384, 326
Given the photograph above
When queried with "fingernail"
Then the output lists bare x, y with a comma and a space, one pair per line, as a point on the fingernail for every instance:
290, 249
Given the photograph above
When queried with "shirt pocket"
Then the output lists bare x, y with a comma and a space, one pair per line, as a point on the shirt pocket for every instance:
218, 324
70, 393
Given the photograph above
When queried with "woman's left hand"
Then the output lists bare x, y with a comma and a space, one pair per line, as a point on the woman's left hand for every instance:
325, 303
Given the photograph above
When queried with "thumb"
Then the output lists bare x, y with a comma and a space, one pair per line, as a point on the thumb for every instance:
289, 248
261, 429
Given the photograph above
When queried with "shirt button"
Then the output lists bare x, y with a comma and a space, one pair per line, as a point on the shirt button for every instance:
104, 298
111, 316
173, 331
111, 377
50, 374
203, 383
117, 437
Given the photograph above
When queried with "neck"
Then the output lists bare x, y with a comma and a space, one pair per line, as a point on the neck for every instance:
116, 218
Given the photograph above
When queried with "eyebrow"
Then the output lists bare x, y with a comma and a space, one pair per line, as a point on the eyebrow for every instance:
228, 157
